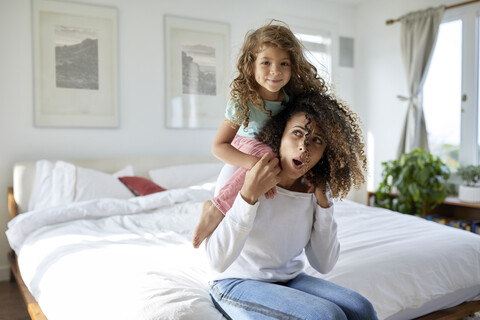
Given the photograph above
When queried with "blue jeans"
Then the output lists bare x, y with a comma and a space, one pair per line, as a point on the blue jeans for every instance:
304, 297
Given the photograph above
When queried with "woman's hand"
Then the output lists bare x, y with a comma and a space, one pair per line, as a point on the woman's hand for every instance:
260, 179
321, 196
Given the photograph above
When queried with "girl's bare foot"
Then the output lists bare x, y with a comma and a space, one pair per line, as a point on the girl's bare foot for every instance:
209, 220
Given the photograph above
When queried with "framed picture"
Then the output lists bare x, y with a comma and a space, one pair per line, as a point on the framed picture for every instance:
197, 59
75, 65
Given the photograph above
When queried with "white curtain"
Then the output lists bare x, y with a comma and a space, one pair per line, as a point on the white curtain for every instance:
418, 37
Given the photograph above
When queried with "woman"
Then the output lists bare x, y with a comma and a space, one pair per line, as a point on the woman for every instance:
257, 251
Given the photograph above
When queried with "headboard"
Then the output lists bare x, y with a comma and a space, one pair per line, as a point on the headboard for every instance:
24, 172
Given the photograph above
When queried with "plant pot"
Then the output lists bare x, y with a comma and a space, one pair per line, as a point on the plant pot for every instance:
468, 194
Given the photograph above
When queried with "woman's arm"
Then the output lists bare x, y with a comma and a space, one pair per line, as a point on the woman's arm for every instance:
223, 150
226, 243
323, 249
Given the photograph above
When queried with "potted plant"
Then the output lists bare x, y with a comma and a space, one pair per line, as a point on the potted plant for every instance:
413, 184
469, 191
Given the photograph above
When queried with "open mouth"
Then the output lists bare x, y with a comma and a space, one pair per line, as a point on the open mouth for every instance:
297, 163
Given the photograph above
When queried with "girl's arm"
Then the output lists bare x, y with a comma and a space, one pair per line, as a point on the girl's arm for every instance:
223, 150
323, 249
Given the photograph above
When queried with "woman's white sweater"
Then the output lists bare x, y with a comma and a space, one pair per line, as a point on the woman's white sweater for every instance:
268, 241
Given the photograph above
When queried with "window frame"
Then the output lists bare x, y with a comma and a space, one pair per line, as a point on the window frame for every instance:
470, 16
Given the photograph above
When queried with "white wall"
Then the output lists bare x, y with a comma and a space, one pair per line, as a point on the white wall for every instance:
141, 80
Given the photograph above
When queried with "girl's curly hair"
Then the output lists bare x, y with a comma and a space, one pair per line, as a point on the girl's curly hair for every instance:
344, 162
244, 88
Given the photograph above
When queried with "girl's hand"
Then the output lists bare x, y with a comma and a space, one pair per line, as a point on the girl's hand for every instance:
270, 194
260, 179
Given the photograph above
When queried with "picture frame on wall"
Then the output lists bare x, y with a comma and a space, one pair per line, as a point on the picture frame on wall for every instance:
197, 63
75, 65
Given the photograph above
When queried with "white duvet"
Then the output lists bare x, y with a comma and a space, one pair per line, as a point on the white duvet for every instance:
133, 259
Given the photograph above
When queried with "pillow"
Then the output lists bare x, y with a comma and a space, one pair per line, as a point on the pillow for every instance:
127, 171
62, 183
183, 176
73, 184
141, 186
41, 195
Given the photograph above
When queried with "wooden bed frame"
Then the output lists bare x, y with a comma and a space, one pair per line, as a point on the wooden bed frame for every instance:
33, 308
463, 310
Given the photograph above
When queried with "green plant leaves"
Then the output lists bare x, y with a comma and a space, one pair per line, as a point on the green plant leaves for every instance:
419, 179
414, 191
469, 174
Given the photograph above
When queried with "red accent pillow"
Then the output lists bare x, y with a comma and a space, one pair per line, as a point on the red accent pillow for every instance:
141, 186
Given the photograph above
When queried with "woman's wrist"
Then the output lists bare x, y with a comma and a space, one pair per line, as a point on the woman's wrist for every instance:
324, 203
248, 197
322, 199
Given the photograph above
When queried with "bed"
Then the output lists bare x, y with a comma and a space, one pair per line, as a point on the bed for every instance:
111, 239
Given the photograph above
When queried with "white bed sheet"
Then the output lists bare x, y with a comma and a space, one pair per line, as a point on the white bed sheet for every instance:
116, 259
132, 259
405, 265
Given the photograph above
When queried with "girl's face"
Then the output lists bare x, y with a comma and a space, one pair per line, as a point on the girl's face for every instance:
297, 154
272, 69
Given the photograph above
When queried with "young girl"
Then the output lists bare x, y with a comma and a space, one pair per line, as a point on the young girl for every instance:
271, 68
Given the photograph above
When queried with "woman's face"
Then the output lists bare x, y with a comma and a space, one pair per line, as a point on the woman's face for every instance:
297, 154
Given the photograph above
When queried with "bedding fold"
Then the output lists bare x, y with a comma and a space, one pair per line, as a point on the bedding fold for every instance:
23, 225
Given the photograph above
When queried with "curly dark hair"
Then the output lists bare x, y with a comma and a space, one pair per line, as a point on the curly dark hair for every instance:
344, 162
244, 88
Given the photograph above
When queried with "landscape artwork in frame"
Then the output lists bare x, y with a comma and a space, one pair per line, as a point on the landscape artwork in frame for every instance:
75, 65
197, 59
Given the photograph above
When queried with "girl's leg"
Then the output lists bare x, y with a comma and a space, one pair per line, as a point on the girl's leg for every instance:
210, 216
230, 181
227, 194
249, 299
354, 305
227, 171
246, 145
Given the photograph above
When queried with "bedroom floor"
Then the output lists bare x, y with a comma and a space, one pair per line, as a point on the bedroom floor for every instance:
11, 302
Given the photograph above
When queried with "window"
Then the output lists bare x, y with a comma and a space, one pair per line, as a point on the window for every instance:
319, 53
442, 94
450, 92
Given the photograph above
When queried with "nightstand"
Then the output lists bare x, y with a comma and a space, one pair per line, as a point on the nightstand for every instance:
451, 208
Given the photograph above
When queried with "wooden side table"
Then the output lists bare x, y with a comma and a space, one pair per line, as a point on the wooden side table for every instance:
451, 207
